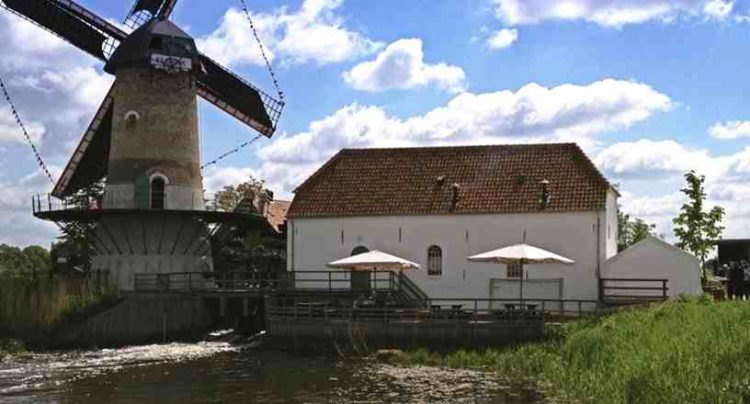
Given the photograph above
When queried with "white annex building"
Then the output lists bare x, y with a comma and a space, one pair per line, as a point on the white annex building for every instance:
655, 258
437, 206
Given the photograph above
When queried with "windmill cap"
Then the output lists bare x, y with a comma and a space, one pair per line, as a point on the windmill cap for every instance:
137, 48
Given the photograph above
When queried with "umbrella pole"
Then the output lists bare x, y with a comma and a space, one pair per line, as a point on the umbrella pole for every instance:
520, 302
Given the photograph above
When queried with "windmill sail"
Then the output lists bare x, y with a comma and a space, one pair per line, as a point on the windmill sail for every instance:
237, 97
89, 161
144, 10
69, 21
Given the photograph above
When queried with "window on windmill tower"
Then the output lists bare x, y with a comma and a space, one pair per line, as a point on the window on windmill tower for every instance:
158, 186
434, 261
131, 119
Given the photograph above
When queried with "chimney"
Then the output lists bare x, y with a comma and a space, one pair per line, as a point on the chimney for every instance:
546, 197
456, 197
262, 199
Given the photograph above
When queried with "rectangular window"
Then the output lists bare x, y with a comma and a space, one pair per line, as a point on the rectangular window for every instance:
434, 261
515, 271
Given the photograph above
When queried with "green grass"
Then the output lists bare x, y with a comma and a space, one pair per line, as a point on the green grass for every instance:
691, 351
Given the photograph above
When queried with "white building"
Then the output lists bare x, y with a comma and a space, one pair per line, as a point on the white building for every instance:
436, 206
655, 258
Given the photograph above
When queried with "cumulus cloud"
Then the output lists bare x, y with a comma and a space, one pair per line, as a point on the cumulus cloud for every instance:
648, 158
10, 132
730, 130
533, 113
55, 87
401, 65
645, 169
19, 226
216, 178
502, 39
314, 33
610, 13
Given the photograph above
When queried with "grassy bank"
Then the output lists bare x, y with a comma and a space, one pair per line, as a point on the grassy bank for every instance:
33, 310
690, 351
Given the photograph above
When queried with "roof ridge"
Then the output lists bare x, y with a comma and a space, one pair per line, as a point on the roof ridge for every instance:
472, 146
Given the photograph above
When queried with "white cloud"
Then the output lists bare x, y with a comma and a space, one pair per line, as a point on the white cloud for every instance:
533, 113
502, 39
10, 132
610, 13
401, 65
216, 178
730, 130
647, 158
314, 33
651, 175
56, 87
18, 225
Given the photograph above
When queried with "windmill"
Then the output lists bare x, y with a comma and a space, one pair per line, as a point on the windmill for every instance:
143, 140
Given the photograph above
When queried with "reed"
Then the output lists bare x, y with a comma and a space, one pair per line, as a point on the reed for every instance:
692, 350
30, 308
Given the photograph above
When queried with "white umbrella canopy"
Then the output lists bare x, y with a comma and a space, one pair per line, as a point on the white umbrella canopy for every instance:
374, 261
521, 253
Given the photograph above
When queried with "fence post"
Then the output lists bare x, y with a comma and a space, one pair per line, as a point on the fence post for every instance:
329, 281
664, 289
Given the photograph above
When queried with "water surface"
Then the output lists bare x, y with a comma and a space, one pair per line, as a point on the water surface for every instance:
221, 372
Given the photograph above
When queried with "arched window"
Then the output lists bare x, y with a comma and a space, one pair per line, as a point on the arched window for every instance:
434, 261
359, 250
158, 186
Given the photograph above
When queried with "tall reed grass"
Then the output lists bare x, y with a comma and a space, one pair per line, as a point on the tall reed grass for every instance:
690, 351
33, 307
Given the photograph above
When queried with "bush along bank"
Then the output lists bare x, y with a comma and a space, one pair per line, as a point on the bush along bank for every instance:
687, 351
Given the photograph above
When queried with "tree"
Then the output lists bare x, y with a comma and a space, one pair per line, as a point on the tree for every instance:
631, 231
28, 262
75, 242
230, 196
697, 229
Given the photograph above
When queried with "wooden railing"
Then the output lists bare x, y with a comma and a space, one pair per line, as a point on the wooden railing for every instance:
629, 290
323, 281
493, 310
456, 310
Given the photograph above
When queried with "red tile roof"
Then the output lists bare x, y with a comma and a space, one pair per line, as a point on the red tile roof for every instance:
491, 179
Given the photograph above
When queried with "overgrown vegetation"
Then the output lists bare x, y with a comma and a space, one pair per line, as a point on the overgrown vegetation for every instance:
37, 301
34, 310
693, 351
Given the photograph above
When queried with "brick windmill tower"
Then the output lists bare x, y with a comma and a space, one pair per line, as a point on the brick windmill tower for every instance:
143, 141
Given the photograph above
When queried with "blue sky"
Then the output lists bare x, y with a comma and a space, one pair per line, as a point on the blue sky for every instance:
649, 88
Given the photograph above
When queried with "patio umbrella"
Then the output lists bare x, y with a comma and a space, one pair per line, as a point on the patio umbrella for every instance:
374, 261
520, 254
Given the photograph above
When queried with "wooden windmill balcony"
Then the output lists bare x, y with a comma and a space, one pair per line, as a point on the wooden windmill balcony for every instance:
48, 207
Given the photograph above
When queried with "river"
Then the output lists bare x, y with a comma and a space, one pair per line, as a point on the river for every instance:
223, 372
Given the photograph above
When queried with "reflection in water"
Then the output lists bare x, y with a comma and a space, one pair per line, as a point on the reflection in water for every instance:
217, 371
